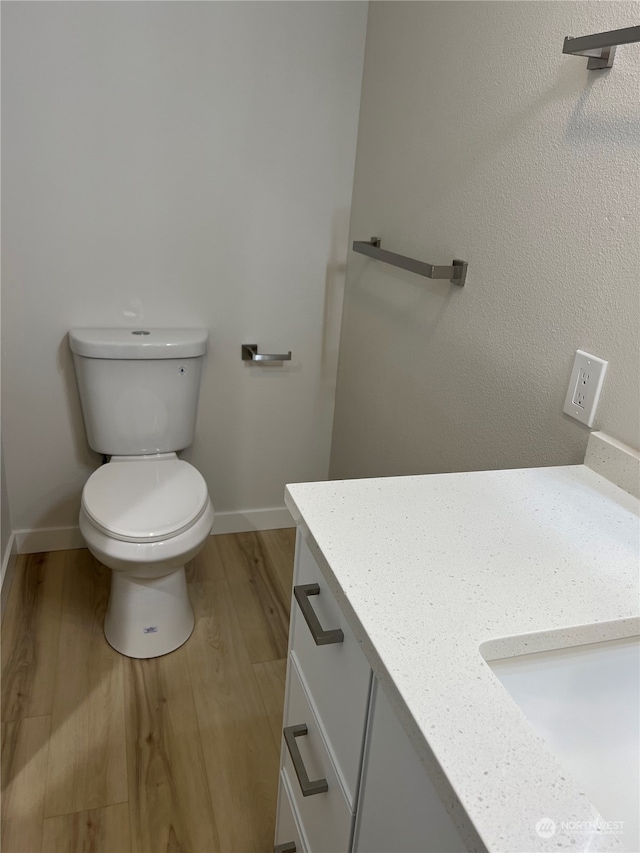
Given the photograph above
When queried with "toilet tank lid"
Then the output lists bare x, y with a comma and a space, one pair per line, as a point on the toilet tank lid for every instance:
139, 343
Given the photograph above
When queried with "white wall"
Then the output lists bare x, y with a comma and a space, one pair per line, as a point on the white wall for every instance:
177, 164
479, 140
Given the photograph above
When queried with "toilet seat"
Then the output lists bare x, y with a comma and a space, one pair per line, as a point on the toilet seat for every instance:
145, 501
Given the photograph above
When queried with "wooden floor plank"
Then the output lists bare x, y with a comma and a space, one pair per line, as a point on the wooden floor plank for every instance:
262, 606
170, 806
239, 750
195, 768
95, 831
30, 636
270, 676
281, 545
24, 772
87, 756
207, 565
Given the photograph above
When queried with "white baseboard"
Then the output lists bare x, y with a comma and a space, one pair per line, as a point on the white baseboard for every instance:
49, 539
252, 519
68, 538
8, 567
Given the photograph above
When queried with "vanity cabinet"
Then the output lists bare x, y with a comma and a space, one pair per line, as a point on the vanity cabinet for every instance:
350, 779
334, 671
326, 704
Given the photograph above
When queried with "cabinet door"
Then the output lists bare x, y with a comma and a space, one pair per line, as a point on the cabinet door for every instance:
399, 807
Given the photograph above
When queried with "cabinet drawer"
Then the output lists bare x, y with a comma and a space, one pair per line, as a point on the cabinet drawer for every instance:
337, 675
287, 831
326, 819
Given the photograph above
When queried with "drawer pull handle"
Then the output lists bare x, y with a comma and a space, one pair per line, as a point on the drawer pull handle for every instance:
307, 786
321, 637
287, 847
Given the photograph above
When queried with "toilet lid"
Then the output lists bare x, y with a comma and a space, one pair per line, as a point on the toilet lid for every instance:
145, 501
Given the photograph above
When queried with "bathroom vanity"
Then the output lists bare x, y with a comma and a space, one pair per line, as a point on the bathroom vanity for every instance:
427, 613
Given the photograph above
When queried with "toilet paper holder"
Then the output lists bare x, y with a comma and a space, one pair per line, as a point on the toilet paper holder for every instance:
250, 353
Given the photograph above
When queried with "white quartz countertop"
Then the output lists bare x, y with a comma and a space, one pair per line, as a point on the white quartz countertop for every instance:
428, 569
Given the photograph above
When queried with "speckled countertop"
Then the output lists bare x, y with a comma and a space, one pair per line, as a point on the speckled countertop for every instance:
428, 569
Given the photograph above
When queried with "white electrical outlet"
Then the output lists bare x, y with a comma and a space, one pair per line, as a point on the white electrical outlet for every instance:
585, 385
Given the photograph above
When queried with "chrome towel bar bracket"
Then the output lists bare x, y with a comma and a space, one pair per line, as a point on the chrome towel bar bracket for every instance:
600, 47
456, 273
250, 353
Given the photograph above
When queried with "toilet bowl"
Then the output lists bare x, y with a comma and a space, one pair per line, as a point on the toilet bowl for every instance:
145, 512
144, 517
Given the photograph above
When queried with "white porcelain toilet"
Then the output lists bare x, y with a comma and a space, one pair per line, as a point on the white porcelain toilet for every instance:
145, 513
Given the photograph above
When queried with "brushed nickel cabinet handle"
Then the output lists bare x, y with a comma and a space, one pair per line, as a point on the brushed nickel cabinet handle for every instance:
320, 636
307, 786
286, 847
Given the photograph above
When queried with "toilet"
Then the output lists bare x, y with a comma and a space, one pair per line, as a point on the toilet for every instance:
145, 512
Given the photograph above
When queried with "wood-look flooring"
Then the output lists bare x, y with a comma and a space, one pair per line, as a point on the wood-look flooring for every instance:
178, 754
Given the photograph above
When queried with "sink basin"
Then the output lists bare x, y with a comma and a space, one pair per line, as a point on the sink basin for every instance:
585, 702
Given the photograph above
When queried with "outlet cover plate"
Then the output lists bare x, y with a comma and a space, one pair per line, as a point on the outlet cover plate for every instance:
584, 388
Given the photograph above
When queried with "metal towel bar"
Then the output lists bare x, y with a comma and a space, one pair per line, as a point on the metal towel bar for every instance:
456, 273
600, 47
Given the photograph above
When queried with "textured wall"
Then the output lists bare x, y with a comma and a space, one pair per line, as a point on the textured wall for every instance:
478, 139
177, 164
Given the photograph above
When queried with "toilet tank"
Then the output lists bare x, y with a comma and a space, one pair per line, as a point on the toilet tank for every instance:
138, 387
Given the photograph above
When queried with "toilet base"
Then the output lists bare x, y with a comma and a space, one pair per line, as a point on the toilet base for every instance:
148, 617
